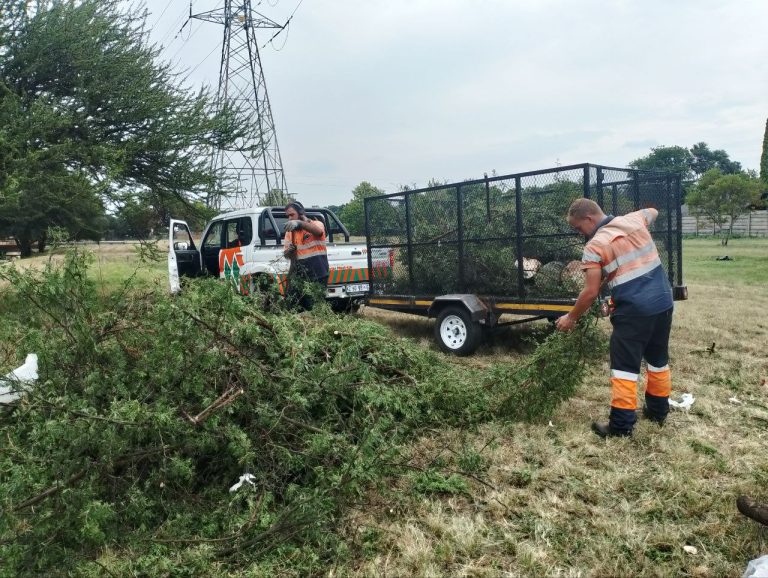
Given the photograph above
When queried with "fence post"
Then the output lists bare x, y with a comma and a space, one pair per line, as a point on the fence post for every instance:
519, 238
636, 189
670, 244
487, 198
679, 223
600, 197
587, 194
460, 215
409, 242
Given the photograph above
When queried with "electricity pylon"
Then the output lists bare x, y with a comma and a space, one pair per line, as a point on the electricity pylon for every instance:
251, 167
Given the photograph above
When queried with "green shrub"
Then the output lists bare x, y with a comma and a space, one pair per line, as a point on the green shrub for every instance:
150, 406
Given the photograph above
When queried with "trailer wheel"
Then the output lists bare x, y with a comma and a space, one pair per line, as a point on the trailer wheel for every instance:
455, 331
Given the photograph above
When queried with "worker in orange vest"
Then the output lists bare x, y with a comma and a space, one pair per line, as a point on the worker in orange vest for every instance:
304, 244
620, 252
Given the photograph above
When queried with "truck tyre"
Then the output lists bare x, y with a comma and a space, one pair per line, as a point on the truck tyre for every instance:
455, 331
345, 305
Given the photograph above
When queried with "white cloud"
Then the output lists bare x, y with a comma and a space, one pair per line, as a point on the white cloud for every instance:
400, 91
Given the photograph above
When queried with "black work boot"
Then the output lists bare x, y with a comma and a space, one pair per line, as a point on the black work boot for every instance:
659, 421
753, 509
656, 408
604, 430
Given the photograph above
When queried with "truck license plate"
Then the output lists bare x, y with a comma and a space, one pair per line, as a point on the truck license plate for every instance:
357, 288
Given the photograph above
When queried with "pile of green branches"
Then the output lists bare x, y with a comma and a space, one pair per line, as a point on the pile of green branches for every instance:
149, 408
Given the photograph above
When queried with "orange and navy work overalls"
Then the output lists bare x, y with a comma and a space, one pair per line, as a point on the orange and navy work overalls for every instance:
622, 247
311, 263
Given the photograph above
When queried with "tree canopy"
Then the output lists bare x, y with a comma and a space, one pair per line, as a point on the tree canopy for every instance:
723, 198
690, 163
705, 159
764, 156
353, 213
674, 159
90, 119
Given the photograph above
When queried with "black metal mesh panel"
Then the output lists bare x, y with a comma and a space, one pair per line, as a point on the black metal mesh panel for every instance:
508, 236
386, 220
549, 244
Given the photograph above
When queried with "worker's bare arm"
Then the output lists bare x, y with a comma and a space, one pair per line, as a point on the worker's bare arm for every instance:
584, 300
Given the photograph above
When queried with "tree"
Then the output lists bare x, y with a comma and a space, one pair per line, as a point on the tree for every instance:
764, 156
353, 213
674, 159
705, 159
276, 198
723, 198
91, 119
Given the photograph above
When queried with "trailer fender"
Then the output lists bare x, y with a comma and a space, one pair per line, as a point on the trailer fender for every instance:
478, 310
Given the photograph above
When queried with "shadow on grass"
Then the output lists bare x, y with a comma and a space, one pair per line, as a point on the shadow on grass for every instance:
507, 341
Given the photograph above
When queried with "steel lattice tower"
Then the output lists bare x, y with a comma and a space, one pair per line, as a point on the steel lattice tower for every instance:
251, 167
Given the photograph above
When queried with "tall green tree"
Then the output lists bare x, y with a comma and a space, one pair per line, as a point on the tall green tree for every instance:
353, 213
764, 156
705, 159
91, 118
674, 159
723, 198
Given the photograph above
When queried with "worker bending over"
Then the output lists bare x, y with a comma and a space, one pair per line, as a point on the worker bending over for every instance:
621, 253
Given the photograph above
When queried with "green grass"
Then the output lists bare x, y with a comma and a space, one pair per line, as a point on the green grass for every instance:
748, 267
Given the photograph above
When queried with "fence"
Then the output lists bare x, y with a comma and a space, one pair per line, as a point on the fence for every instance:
507, 235
753, 224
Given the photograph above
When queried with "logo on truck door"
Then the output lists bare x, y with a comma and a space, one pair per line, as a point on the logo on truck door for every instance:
230, 264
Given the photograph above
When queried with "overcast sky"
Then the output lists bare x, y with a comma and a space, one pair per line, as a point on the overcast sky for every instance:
401, 91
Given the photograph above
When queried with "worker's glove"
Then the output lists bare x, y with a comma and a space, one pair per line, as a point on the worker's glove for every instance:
290, 251
293, 225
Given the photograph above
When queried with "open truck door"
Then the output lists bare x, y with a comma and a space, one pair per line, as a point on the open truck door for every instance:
183, 256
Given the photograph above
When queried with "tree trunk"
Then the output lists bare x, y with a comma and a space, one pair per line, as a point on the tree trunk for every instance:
42, 241
24, 243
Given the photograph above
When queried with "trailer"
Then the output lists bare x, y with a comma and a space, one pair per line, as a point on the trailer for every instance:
467, 253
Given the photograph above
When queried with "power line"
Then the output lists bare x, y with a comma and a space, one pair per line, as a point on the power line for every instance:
184, 17
207, 56
159, 18
287, 22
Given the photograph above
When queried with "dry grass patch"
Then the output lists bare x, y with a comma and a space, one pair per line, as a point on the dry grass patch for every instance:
558, 501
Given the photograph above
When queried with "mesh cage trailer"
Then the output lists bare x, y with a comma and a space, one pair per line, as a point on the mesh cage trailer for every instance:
471, 251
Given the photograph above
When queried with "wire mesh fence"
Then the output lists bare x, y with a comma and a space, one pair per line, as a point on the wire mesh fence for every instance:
507, 236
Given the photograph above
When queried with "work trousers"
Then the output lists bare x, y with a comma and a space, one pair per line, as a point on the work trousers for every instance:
635, 338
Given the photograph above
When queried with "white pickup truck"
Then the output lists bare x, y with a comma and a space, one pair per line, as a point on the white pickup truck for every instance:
240, 246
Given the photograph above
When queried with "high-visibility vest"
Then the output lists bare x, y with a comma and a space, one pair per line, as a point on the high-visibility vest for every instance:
311, 252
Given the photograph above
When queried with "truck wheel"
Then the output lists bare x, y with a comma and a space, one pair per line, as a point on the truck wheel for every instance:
344, 305
455, 331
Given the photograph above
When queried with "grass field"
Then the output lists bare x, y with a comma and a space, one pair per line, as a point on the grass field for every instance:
557, 501
553, 499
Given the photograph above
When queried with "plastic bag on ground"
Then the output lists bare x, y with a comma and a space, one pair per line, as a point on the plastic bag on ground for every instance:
686, 401
757, 568
13, 384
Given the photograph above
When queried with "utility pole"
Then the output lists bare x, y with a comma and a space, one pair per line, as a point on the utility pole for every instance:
252, 167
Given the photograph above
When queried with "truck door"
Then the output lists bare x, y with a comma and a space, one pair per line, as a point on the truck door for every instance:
184, 250
211, 245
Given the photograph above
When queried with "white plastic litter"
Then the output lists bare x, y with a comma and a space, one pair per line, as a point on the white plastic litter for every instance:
13, 384
243, 479
686, 401
692, 550
551, 424
735, 400
757, 568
